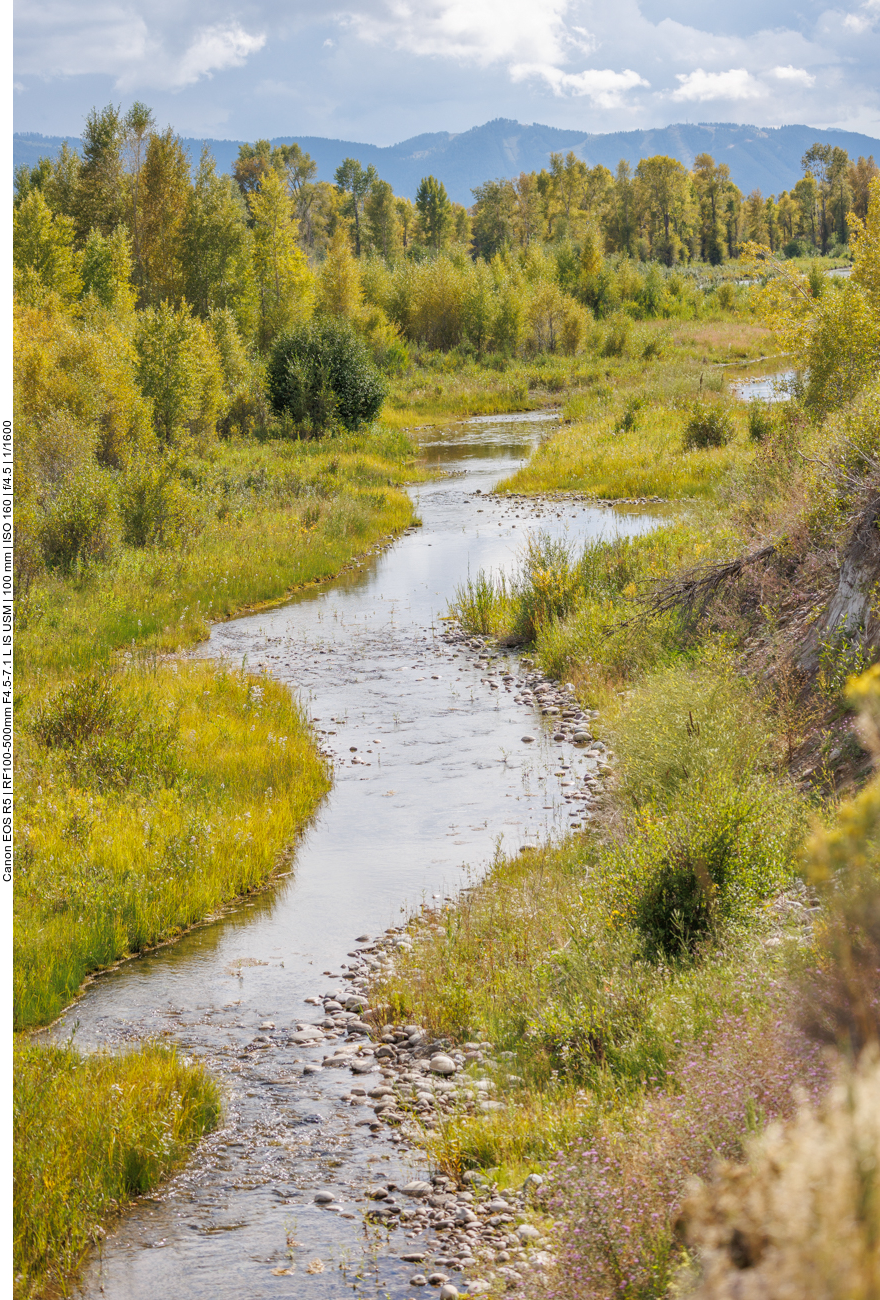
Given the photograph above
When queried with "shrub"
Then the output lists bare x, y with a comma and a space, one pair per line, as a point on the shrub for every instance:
321, 372
708, 426
621, 1190
802, 1217
617, 337
108, 740
760, 420
155, 507
706, 864
725, 295
629, 420
80, 522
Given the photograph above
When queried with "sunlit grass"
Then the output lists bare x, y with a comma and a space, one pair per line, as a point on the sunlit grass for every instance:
88, 1135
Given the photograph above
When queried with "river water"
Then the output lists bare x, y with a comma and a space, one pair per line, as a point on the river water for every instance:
431, 778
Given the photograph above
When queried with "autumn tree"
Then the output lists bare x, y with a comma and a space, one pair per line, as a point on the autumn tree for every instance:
43, 253
829, 167
137, 126
494, 216
283, 282
712, 184
165, 189
663, 204
860, 175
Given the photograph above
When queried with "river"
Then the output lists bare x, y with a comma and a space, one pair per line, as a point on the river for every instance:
431, 778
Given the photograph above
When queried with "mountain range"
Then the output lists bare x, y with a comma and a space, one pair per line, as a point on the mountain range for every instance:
760, 157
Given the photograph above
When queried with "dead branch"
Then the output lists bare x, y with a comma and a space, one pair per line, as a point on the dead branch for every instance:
690, 592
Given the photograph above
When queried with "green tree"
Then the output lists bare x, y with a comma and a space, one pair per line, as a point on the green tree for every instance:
663, 204
435, 211
829, 167
137, 126
106, 269
99, 199
354, 182
861, 174
494, 217
621, 223
382, 220
216, 245
712, 183
179, 369
323, 371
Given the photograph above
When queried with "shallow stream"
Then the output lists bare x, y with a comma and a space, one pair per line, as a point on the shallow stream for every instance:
432, 777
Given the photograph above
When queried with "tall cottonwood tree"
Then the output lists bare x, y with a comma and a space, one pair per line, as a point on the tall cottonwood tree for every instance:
354, 182
165, 188
283, 283
99, 199
216, 246
435, 212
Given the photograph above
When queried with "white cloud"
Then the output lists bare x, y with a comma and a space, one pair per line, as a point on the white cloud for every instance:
864, 19
796, 76
478, 31
602, 85
213, 49
737, 83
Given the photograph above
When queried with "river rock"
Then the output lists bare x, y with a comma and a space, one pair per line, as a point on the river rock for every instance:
531, 1184
363, 1065
528, 740
418, 1279
448, 1292
324, 1198
581, 737
357, 1027
441, 1064
527, 1232
437, 1279
417, 1188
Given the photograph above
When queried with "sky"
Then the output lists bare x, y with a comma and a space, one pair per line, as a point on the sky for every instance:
381, 71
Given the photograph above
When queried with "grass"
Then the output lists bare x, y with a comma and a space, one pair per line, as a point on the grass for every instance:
116, 856
90, 1134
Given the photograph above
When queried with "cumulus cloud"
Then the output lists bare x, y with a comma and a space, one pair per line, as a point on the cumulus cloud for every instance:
603, 86
700, 86
796, 76
216, 48
478, 31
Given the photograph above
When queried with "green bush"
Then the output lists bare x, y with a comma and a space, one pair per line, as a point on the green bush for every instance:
709, 426
80, 522
155, 507
725, 295
323, 372
108, 741
760, 420
722, 846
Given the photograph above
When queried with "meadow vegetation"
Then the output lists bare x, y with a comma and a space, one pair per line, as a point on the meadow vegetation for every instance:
682, 1000
215, 379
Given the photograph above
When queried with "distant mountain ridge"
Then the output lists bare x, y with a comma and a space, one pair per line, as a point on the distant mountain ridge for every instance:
765, 158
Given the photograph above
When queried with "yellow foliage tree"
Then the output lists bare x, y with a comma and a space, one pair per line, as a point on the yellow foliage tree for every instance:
285, 285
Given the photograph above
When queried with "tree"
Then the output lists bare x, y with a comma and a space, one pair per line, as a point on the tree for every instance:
406, 215
828, 165
663, 203
106, 269
137, 126
861, 174
179, 370
528, 217
806, 196
165, 188
340, 288
712, 184
99, 199
621, 224
568, 177
382, 221
755, 218
494, 217
43, 248
216, 245
355, 181
435, 211
283, 281
254, 161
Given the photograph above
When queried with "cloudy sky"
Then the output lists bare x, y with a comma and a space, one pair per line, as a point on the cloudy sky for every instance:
383, 70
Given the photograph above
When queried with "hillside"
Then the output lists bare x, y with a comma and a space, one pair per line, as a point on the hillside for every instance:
766, 158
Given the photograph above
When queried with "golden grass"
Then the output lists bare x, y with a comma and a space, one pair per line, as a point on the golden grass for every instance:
647, 461
89, 1135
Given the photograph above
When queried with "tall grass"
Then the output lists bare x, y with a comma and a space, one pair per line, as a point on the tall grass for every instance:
90, 1134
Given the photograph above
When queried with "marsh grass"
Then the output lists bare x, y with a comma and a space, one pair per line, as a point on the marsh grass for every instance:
91, 1133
